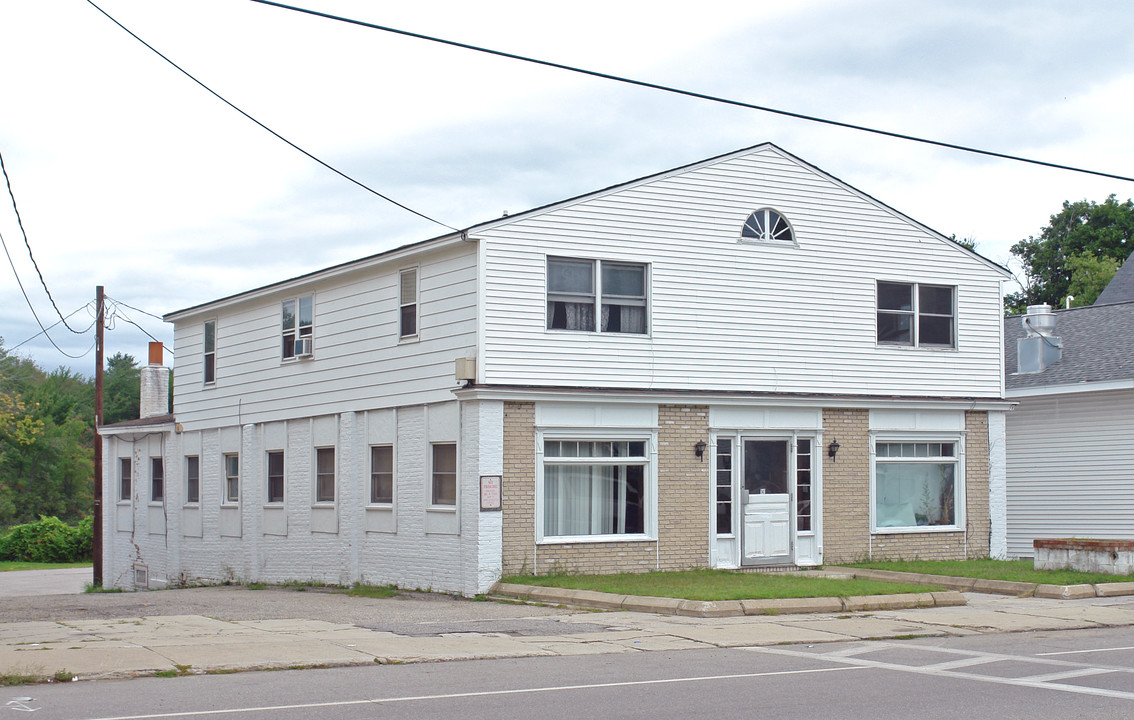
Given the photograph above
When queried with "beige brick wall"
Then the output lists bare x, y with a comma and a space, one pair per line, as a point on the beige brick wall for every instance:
846, 498
846, 486
683, 487
683, 502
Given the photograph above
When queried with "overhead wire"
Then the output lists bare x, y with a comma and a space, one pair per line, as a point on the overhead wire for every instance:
39, 322
115, 312
218, 96
57, 322
694, 94
20, 222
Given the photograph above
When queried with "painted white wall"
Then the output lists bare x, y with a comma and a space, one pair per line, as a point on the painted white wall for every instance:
1070, 468
359, 362
329, 543
726, 315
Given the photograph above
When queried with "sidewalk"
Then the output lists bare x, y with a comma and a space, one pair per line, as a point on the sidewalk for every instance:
182, 644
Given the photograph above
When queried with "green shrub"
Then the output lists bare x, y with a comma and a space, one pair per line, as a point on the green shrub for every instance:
49, 540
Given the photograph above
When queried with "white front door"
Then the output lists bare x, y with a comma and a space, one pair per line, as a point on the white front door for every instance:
766, 500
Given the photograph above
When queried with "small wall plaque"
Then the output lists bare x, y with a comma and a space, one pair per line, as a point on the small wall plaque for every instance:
490, 498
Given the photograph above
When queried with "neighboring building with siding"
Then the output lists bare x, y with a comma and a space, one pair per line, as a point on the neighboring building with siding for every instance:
739, 362
1070, 440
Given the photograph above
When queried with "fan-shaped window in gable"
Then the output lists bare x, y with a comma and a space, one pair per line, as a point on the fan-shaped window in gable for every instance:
767, 225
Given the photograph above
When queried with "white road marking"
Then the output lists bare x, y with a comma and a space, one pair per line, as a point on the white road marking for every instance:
484, 693
1032, 682
1081, 652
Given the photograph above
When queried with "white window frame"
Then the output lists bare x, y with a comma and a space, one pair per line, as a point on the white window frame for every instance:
959, 487
597, 298
318, 500
268, 478
765, 225
650, 476
189, 477
125, 480
393, 477
411, 304
299, 331
157, 480
209, 360
915, 314
433, 504
230, 481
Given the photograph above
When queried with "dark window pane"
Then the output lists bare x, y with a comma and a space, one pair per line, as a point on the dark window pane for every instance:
192, 479
724, 518
408, 320
275, 477
895, 296
933, 330
935, 300
623, 280
570, 276
210, 368
635, 499
894, 328
157, 479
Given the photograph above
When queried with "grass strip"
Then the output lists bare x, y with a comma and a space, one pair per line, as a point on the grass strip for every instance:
987, 569
10, 565
719, 585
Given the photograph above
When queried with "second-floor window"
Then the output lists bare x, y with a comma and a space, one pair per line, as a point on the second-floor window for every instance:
407, 303
917, 315
210, 351
297, 327
586, 295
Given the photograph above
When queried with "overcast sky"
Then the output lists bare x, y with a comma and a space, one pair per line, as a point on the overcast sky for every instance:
131, 176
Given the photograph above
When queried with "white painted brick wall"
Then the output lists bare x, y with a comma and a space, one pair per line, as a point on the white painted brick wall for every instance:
997, 485
467, 562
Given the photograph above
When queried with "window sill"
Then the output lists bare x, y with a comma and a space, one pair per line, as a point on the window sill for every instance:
191, 506
582, 539
231, 504
598, 333
441, 509
918, 529
907, 348
772, 243
380, 507
407, 339
157, 503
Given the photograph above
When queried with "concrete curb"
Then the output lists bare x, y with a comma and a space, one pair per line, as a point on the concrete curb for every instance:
723, 608
995, 587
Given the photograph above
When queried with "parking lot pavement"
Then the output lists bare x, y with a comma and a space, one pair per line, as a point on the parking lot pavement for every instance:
34, 583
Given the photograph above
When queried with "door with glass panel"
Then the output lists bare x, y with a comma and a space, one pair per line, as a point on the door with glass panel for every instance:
766, 500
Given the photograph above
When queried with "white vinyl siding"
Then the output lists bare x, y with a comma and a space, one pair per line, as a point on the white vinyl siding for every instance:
359, 364
734, 316
1070, 462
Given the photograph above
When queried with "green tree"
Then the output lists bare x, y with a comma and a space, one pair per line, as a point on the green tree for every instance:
1089, 276
1102, 230
121, 388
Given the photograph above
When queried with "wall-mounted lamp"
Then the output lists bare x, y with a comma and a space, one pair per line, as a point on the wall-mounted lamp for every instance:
833, 449
699, 449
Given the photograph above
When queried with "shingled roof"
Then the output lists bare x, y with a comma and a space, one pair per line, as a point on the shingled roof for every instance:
1120, 288
1098, 346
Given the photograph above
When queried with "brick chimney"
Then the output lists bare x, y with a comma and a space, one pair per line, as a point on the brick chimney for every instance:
155, 385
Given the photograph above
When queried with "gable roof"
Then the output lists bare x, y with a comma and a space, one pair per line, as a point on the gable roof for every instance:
496, 222
1098, 346
1121, 286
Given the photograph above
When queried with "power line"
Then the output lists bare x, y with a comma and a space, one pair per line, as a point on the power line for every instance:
693, 94
116, 313
215, 94
57, 322
144, 312
20, 222
28, 301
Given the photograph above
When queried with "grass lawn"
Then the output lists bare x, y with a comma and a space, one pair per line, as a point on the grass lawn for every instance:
1017, 570
7, 565
718, 585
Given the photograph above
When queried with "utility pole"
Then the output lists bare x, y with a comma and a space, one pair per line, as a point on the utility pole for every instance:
96, 545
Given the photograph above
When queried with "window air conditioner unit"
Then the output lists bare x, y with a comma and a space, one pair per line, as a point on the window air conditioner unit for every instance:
303, 347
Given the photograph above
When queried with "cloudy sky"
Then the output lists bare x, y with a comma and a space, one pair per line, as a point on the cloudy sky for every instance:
129, 175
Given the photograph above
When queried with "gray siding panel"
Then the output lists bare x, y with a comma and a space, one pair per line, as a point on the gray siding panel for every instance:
1070, 468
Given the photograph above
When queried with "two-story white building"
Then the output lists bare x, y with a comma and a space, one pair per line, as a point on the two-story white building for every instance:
739, 362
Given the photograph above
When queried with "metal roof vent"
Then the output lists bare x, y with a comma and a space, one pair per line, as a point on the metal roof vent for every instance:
1040, 320
1039, 349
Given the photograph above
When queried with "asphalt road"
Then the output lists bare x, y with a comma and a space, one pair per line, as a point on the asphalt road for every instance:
1077, 673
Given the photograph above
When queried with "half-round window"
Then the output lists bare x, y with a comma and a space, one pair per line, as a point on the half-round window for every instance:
767, 225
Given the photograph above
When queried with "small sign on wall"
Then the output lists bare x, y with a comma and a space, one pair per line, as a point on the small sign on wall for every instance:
490, 498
